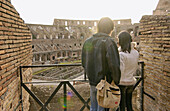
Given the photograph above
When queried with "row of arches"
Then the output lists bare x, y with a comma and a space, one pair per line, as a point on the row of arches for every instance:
56, 57
60, 36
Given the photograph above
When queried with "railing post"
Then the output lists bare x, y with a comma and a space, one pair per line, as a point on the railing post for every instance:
65, 96
20, 68
142, 86
84, 75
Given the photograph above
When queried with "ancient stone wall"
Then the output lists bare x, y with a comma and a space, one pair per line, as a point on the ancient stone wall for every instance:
163, 8
67, 22
122, 22
15, 50
155, 52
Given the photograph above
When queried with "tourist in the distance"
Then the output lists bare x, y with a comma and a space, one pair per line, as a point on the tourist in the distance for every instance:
128, 65
100, 57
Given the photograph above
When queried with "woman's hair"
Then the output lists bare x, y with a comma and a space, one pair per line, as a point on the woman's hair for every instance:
125, 40
105, 25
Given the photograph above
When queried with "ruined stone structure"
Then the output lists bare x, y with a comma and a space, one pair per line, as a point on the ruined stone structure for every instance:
155, 52
58, 42
163, 8
15, 50
63, 40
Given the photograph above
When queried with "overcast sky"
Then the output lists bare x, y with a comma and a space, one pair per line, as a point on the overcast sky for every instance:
44, 11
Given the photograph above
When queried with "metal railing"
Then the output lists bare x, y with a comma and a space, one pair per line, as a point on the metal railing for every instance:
67, 82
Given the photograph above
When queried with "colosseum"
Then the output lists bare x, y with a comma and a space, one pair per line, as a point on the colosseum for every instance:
63, 40
24, 47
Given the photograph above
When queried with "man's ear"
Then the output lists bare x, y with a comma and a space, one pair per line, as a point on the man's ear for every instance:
111, 33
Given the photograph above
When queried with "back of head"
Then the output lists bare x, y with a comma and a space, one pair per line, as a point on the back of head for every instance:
105, 25
125, 40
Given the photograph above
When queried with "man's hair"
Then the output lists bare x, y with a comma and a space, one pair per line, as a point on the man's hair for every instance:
125, 40
105, 25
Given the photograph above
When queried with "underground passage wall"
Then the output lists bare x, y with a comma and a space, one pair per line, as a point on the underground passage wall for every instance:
155, 52
15, 50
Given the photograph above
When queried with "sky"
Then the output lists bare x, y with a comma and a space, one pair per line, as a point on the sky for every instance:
45, 11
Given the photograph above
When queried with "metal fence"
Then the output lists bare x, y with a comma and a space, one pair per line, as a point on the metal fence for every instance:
66, 83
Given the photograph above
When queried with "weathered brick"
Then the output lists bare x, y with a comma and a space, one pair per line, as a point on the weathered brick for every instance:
3, 46
9, 59
0, 90
8, 41
3, 91
2, 81
3, 28
0, 22
1, 32
5, 74
10, 67
9, 50
4, 56
6, 16
3, 37
6, 84
5, 66
1, 72
2, 51
2, 42
12, 37
3, 10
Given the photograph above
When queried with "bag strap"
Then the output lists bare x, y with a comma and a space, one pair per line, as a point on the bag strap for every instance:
104, 52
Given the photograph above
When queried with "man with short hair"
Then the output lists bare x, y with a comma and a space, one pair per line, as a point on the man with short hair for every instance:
100, 58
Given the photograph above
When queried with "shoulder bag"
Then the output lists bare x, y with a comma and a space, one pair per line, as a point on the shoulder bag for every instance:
108, 95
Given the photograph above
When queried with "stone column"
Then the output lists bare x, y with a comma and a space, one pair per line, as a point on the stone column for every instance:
61, 54
45, 57
33, 58
66, 53
40, 57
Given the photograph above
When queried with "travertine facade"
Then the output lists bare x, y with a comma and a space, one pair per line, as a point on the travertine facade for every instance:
15, 50
155, 52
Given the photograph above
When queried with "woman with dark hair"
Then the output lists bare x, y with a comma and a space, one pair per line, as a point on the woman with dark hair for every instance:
128, 65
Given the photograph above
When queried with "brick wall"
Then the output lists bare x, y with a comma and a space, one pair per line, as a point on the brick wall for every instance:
155, 52
15, 50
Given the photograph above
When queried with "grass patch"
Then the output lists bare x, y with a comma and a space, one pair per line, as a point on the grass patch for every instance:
42, 70
77, 61
37, 72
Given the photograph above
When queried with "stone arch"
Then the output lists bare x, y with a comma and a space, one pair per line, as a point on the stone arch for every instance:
64, 54
60, 36
48, 57
82, 35
59, 54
